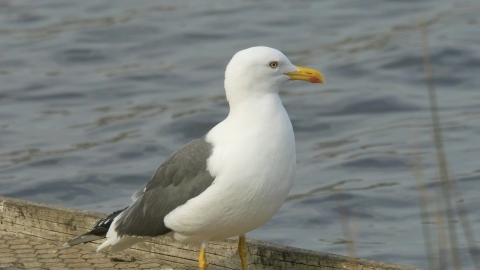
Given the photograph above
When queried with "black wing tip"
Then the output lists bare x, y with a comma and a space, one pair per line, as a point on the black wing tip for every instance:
106, 222
99, 231
95, 234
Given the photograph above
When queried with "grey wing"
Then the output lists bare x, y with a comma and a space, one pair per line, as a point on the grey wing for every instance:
181, 177
137, 194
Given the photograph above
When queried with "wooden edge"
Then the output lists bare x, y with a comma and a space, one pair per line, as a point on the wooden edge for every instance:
58, 224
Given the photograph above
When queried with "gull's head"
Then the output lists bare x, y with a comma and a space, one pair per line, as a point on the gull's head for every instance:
264, 70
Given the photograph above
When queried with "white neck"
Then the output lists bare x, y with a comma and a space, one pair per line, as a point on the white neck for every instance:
259, 117
256, 108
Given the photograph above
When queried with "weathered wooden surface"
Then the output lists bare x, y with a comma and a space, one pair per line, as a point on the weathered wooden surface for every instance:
32, 235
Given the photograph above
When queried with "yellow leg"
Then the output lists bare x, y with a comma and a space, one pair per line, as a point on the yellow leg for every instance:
242, 251
202, 259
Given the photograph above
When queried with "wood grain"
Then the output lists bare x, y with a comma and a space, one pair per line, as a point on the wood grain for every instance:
54, 225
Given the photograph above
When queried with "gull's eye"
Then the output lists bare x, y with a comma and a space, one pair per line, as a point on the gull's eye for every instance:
273, 64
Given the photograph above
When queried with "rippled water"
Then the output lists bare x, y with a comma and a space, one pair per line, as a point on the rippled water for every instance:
94, 95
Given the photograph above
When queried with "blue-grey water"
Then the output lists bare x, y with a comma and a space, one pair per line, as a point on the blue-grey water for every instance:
94, 95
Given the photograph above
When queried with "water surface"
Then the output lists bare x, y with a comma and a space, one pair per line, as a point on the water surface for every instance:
95, 95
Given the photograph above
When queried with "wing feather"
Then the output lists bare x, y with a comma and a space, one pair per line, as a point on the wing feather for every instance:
180, 178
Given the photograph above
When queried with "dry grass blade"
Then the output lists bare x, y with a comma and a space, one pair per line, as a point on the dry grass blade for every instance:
346, 228
423, 200
446, 183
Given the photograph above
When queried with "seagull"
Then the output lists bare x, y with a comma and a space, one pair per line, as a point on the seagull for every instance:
228, 182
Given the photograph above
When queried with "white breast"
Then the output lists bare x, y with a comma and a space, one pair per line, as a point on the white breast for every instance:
253, 161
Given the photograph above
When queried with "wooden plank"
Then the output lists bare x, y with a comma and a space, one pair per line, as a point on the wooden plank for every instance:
56, 225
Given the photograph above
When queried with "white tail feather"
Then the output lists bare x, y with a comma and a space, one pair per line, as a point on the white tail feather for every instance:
116, 243
120, 243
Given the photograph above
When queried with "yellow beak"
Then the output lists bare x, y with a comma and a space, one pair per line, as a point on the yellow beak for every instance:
306, 74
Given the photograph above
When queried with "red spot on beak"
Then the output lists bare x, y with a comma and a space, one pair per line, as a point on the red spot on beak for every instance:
314, 80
